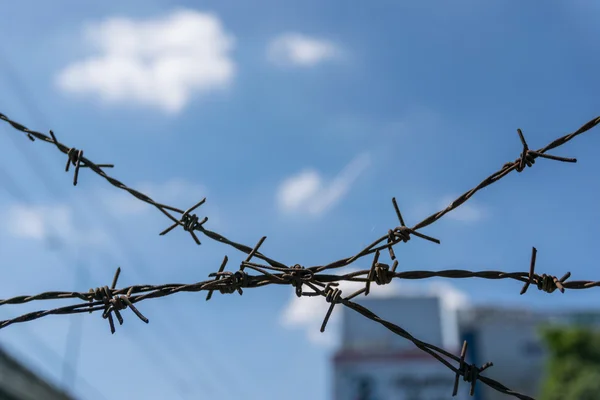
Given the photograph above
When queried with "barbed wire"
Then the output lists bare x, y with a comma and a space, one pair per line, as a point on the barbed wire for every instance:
112, 300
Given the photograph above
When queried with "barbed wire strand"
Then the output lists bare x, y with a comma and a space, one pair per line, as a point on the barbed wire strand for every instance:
112, 301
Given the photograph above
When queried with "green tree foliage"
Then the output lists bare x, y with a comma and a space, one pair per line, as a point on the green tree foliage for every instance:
573, 365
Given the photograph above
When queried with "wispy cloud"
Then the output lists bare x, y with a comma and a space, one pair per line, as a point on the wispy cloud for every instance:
307, 313
158, 62
49, 223
308, 193
296, 49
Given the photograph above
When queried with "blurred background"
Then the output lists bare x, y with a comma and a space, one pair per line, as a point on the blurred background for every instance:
299, 121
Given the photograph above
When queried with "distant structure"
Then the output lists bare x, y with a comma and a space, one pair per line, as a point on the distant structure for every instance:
375, 364
372, 363
510, 339
19, 383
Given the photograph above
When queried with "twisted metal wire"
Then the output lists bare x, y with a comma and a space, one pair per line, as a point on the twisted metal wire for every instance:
112, 301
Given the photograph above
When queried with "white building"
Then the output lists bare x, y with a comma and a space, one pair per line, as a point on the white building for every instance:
509, 338
373, 363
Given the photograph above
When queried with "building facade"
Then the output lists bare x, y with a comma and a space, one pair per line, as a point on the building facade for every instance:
373, 363
19, 383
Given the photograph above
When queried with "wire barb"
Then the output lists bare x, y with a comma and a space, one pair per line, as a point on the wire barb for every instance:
546, 283
527, 158
297, 275
217, 275
114, 303
75, 158
403, 232
189, 222
237, 280
332, 295
380, 273
469, 372
254, 251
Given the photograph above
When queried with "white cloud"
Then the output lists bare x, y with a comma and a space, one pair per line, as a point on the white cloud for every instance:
300, 50
306, 192
157, 62
47, 223
297, 190
308, 312
175, 192
470, 211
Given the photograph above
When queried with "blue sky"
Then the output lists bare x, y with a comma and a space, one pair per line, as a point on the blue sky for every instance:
299, 121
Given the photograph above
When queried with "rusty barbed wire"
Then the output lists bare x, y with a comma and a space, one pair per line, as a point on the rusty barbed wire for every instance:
113, 301
289, 276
